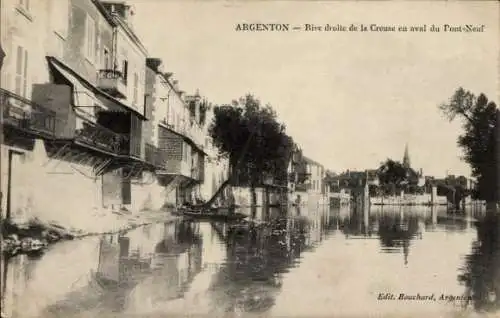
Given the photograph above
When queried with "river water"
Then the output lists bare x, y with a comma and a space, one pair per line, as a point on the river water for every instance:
334, 262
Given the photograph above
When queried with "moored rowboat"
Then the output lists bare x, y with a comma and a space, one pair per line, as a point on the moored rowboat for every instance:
210, 215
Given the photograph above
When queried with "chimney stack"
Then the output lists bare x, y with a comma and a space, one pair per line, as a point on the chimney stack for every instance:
155, 64
175, 83
121, 9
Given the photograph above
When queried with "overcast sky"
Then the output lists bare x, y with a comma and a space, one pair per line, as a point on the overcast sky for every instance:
350, 100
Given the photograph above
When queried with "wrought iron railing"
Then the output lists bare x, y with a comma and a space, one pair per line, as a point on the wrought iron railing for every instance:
100, 137
112, 74
24, 114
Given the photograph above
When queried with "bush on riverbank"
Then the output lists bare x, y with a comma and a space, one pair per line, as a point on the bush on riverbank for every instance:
35, 235
32, 236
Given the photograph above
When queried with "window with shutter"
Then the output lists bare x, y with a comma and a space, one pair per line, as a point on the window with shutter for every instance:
168, 109
90, 39
87, 36
19, 68
136, 87
21, 78
25, 74
125, 70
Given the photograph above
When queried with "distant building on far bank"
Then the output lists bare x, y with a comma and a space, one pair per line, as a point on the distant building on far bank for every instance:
317, 175
306, 183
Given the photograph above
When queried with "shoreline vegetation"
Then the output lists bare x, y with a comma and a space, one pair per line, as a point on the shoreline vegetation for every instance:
36, 235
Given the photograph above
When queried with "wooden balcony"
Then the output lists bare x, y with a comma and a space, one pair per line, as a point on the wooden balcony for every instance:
22, 114
99, 137
125, 124
155, 156
130, 147
112, 82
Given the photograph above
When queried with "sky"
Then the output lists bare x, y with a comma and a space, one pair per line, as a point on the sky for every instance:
349, 99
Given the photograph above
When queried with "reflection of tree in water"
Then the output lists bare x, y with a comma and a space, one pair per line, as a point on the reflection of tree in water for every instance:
395, 231
184, 237
256, 258
481, 273
352, 224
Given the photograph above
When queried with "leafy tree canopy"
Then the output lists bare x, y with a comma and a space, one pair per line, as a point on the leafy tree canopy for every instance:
478, 139
392, 172
250, 135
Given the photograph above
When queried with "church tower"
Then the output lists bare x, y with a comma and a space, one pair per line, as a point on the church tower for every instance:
406, 158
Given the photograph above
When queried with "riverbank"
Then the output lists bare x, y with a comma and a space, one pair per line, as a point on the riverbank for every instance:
36, 235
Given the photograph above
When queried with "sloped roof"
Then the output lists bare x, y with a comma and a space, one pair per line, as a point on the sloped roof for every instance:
310, 161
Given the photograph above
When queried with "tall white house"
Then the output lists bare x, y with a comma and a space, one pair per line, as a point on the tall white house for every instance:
316, 186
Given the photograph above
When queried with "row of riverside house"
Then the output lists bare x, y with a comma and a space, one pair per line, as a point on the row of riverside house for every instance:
307, 180
91, 123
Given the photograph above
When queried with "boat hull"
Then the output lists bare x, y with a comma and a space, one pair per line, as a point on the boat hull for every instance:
210, 216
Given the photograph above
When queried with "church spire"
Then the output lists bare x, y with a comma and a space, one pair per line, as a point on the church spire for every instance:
406, 157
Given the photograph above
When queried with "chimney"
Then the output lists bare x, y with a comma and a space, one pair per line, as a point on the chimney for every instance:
182, 95
121, 9
175, 84
194, 98
154, 64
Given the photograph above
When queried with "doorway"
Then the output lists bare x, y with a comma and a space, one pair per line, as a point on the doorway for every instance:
15, 184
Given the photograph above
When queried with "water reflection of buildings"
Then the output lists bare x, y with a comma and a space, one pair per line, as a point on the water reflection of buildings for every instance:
171, 256
15, 273
258, 256
396, 227
176, 258
481, 273
365, 222
441, 219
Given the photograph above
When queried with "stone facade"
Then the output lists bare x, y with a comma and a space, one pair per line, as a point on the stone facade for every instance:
50, 189
84, 37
